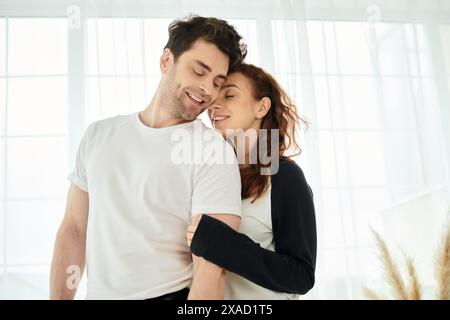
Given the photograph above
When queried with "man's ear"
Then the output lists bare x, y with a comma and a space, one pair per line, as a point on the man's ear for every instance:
166, 60
263, 107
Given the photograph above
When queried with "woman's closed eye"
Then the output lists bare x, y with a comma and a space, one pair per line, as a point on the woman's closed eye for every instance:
228, 94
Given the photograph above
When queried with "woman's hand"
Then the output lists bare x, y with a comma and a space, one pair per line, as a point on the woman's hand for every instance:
192, 228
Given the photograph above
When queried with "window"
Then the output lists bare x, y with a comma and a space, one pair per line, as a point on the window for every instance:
369, 89
33, 143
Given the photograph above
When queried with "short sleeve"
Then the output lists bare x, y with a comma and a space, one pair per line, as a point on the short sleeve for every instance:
217, 186
78, 175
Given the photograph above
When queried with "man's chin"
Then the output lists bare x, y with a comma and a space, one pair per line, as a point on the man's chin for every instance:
189, 118
189, 114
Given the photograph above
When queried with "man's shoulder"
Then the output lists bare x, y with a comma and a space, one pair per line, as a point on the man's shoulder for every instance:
108, 124
111, 121
210, 146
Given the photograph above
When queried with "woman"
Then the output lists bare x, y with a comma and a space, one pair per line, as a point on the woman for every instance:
274, 253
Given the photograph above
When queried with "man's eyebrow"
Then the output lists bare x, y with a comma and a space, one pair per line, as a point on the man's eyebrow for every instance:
208, 68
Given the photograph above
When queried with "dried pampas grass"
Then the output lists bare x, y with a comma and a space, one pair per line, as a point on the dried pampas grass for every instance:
442, 270
413, 289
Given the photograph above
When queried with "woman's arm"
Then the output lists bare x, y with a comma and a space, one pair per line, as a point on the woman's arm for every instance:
291, 267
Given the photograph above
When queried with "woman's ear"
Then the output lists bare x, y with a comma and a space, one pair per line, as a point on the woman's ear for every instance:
166, 60
263, 107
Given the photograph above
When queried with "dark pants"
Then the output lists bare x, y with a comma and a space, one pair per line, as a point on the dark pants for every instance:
177, 295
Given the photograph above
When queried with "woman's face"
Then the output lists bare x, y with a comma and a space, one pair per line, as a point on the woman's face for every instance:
235, 108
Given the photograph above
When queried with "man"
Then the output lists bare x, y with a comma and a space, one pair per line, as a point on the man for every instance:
129, 203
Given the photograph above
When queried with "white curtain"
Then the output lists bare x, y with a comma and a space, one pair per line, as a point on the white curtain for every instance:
372, 77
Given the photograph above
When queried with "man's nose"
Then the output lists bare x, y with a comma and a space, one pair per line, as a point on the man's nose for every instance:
206, 91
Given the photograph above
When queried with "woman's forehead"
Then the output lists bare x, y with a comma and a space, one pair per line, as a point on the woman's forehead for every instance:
236, 80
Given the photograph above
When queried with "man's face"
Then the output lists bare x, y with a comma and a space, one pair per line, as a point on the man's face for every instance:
192, 83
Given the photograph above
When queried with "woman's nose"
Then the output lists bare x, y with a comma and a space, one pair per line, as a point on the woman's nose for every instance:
215, 106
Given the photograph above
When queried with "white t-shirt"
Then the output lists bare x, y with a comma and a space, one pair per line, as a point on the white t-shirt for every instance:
142, 194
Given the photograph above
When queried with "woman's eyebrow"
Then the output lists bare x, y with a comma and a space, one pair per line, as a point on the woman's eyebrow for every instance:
230, 85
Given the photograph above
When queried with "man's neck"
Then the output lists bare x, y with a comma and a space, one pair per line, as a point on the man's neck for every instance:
157, 114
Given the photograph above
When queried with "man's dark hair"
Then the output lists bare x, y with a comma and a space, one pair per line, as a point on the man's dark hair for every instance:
183, 33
